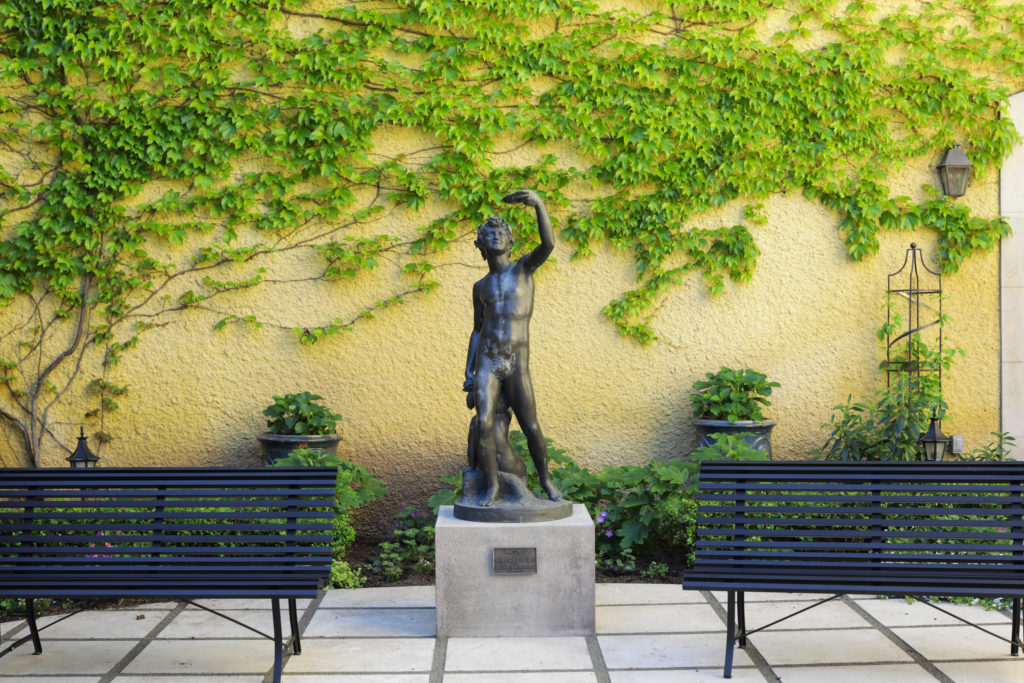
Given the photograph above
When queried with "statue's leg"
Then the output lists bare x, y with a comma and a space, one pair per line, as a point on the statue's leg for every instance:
508, 461
486, 393
519, 394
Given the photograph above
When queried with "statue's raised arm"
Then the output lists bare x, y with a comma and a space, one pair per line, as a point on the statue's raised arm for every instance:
538, 256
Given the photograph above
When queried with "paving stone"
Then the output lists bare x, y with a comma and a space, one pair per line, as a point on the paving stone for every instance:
876, 673
657, 618
223, 604
389, 596
672, 651
947, 643
1000, 671
830, 615
517, 654
826, 647
392, 622
50, 679
364, 655
171, 657
353, 678
66, 657
243, 678
532, 677
644, 594
198, 623
106, 624
686, 676
898, 612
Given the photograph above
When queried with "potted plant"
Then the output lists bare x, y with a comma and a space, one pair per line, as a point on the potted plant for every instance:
298, 421
730, 402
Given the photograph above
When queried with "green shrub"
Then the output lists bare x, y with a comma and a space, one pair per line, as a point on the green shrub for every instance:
356, 487
300, 414
411, 547
639, 509
731, 395
345, 576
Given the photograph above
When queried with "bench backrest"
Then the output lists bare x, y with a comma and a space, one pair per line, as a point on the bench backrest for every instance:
160, 517
911, 515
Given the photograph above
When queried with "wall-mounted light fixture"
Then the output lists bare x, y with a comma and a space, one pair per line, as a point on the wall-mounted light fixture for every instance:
83, 458
934, 441
955, 172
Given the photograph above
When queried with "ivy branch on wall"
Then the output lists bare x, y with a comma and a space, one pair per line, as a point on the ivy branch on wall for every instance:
156, 156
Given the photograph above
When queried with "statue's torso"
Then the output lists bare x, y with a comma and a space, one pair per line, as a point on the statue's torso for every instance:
506, 298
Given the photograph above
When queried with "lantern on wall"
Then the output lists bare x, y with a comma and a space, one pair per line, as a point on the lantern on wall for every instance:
934, 441
955, 172
83, 458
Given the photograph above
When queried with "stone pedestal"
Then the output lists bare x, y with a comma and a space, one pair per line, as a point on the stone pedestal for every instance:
549, 592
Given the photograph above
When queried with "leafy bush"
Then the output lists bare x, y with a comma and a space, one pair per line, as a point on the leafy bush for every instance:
731, 395
356, 487
300, 414
995, 451
889, 428
639, 509
411, 546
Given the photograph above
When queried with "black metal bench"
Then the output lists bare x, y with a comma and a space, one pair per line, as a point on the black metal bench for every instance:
915, 529
185, 533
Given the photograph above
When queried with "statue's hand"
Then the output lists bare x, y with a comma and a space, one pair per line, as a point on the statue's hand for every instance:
527, 197
467, 386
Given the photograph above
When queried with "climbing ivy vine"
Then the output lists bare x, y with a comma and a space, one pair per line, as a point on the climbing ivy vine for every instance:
158, 156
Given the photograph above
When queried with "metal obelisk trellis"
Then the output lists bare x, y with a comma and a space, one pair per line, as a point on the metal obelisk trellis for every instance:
921, 287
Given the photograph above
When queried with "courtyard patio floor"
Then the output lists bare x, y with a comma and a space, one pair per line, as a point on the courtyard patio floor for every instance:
646, 633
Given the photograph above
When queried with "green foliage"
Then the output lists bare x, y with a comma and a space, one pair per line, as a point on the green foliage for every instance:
994, 451
726, 447
731, 395
355, 487
411, 546
647, 509
300, 414
163, 157
888, 428
344, 576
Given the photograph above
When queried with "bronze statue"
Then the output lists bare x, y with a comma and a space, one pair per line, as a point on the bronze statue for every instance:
498, 379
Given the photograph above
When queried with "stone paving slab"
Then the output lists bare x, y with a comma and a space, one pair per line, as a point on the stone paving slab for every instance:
647, 633
517, 654
667, 651
686, 676
373, 623
904, 673
655, 618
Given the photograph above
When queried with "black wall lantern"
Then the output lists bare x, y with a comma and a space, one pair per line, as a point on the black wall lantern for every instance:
954, 172
83, 458
934, 441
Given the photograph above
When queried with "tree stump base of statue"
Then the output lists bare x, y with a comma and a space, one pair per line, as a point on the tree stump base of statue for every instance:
517, 503
514, 580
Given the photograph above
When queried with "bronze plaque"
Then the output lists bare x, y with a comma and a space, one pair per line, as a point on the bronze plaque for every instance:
514, 561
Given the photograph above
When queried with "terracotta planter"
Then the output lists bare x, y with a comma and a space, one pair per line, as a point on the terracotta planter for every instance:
757, 435
277, 446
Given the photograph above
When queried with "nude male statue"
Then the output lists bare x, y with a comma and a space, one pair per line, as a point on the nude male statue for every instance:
497, 364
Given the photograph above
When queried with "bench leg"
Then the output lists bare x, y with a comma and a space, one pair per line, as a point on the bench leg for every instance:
730, 634
278, 644
741, 620
30, 614
293, 616
1015, 637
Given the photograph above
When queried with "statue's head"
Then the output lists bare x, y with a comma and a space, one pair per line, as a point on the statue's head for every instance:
494, 231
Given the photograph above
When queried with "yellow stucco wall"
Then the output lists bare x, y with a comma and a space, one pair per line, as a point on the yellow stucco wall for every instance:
808, 319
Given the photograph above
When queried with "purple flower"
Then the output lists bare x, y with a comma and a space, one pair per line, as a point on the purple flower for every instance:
609, 533
603, 515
